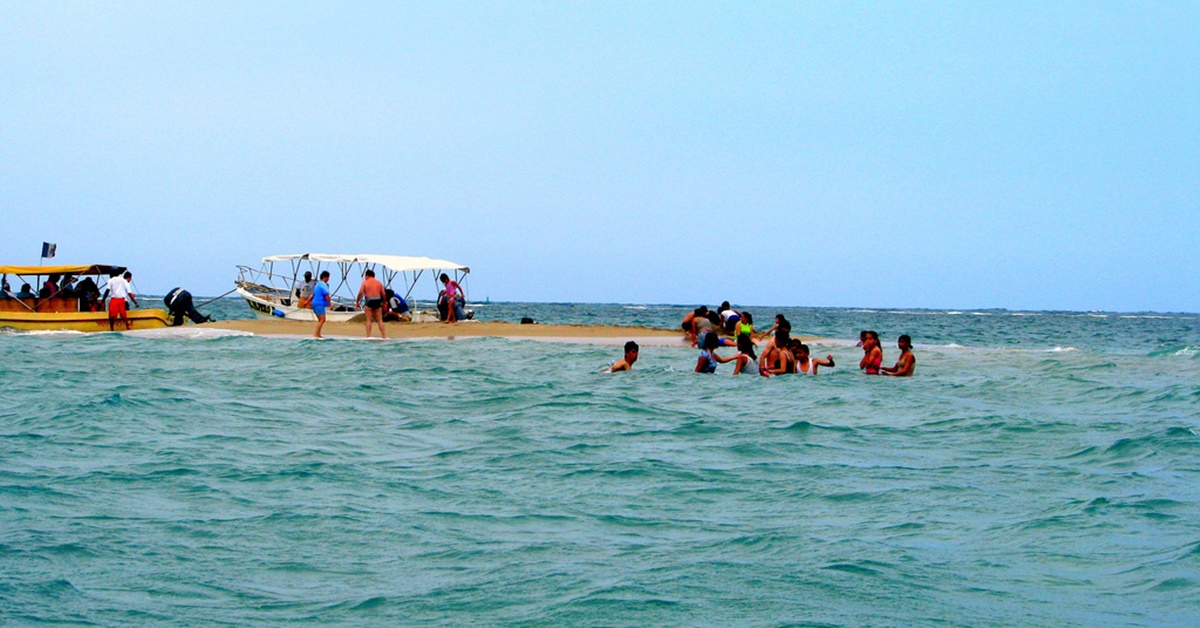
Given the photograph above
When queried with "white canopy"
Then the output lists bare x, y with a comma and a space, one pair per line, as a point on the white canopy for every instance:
397, 263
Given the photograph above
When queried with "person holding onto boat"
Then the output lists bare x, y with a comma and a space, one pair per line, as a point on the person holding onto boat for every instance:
626, 364
454, 298
321, 300
118, 290
374, 294
906, 362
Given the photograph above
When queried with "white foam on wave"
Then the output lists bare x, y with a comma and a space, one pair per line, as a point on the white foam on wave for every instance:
42, 332
200, 333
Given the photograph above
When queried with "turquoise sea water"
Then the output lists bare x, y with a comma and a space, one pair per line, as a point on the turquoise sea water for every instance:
1040, 469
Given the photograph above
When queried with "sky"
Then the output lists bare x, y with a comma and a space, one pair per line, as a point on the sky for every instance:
1019, 155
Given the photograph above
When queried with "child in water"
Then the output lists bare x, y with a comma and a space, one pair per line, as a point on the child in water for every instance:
808, 366
708, 356
906, 362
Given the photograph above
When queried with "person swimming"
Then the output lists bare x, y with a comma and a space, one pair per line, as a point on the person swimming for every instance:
625, 364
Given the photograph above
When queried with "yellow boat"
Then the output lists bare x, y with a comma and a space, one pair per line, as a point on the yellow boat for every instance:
78, 310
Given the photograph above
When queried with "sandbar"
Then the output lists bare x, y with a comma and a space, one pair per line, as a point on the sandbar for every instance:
585, 334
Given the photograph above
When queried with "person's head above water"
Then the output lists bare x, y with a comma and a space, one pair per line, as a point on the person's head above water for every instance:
631, 352
745, 345
904, 342
711, 341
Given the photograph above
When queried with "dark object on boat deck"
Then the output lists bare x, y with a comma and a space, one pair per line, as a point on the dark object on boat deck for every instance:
528, 321
179, 302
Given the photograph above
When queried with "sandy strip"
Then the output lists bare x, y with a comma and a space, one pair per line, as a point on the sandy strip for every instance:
584, 334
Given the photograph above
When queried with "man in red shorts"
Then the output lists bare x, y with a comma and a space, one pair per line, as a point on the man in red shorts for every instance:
118, 289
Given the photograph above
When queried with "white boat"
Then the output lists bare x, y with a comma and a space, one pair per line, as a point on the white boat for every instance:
280, 293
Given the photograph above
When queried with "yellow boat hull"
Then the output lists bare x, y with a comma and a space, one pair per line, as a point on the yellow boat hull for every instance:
81, 321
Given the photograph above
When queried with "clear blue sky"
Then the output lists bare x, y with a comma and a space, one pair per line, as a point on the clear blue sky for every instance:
934, 154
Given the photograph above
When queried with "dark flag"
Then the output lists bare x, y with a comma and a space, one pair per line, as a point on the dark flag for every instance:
48, 249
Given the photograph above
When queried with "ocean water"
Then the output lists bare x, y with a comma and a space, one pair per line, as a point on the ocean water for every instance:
1041, 469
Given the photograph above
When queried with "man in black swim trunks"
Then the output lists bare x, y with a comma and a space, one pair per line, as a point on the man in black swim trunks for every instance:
374, 293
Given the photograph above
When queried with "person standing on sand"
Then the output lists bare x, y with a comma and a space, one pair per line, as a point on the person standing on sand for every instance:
374, 293
631, 356
906, 363
118, 290
321, 300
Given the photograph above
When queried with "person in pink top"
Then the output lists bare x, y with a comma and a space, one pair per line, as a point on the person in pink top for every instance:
374, 293
453, 295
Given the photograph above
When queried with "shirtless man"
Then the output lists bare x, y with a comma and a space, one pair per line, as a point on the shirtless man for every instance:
373, 291
631, 356
777, 359
906, 363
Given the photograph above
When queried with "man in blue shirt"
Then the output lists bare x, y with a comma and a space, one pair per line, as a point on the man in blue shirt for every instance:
320, 301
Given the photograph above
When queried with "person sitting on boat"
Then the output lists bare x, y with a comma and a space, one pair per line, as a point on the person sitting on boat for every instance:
66, 287
395, 308
50, 288
89, 295
5, 289
26, 292
306, 290
454, 299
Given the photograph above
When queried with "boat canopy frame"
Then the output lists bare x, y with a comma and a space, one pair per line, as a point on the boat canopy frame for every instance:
408, 268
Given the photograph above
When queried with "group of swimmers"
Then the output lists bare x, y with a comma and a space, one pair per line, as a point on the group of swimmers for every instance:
781, 354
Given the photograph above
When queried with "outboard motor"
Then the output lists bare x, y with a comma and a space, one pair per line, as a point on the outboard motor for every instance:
179, 302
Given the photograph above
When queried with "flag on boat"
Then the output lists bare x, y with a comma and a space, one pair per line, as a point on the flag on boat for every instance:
48, 249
